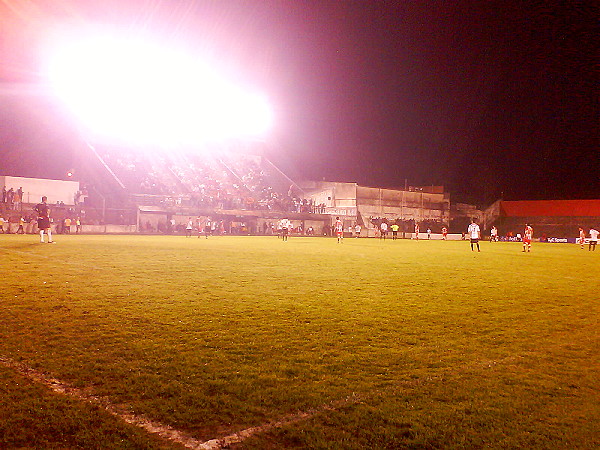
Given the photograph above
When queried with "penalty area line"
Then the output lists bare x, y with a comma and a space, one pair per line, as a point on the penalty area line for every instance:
167, 432
290, 419
164, 431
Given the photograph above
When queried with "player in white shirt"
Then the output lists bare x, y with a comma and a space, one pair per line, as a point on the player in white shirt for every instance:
494, 234
593, 239
207, 227
338, 227
286, 226
383, 228
189, 227
357, 230
474, 233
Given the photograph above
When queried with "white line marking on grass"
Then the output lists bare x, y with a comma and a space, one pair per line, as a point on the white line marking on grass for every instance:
165, 431
236, 438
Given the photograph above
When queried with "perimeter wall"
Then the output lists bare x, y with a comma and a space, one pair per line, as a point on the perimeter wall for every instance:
35, 188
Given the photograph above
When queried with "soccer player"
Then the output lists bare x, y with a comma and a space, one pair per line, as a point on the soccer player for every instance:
527, 236
444, 233
474, 233
21, 229
581, 237
494, 234
416, 231
593, 239
189, 227
395, 227
43, 220
286, 226
383, 228
338, 227
357, 230
207, 228
429, 233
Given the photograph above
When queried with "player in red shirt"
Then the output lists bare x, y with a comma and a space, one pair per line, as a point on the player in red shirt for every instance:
444, 233
581, 239
527, 236
338, 226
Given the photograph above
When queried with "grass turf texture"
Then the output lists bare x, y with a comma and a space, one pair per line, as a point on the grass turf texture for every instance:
433, 345
34, 417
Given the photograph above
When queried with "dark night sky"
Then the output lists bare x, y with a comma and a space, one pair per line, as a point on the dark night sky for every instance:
483, 97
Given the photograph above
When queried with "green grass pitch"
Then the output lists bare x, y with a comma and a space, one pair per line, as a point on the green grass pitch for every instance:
395, 344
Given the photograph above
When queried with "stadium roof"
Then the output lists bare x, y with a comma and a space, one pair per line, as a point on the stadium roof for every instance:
551, 208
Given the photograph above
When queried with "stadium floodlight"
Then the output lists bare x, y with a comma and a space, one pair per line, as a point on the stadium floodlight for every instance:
138, 91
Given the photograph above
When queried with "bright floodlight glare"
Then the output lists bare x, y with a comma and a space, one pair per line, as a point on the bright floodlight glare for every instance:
138, 91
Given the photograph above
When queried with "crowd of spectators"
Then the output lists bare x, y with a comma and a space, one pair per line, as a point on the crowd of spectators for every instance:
140, 173
229, 181
270, 193
11, 198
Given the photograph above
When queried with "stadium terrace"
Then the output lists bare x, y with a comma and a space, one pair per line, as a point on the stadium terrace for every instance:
239, 190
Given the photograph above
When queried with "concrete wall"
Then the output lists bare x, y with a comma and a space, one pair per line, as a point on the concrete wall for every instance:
341, 196
406, 205
461, 215
351, 200
344, 195
106, 229
35, 188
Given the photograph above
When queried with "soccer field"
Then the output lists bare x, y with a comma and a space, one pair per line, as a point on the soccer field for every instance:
264, 344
